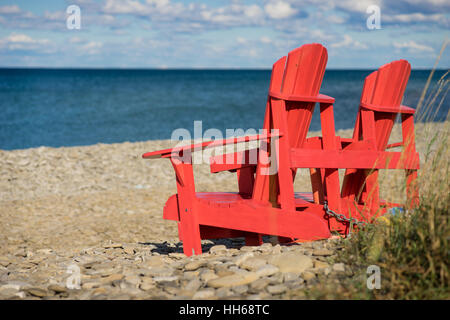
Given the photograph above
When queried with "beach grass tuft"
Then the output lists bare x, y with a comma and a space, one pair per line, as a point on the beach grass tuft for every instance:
410, 248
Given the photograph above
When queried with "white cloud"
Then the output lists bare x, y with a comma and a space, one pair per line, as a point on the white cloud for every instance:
348, 42
241, 40
279, 10
413, 46
91, 48
253, 11
265, 39
356, 5
9, 9
19, 41
415, 17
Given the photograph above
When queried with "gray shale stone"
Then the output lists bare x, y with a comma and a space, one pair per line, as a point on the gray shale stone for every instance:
291, 262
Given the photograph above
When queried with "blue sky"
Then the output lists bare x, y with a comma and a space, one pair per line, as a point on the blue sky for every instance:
220, 34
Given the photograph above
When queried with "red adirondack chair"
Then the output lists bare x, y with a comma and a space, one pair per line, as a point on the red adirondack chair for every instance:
380, 104
266, 203
293, 93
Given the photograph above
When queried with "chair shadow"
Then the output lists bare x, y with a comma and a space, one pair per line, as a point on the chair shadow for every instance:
164, 248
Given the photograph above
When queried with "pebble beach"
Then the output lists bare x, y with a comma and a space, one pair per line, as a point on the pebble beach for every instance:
98, 209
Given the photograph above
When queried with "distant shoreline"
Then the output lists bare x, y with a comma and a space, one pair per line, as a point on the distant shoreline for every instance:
347, 133
188, 69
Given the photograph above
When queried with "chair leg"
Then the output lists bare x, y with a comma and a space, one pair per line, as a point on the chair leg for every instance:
373, 193
412, 190
253, 239
188, 226
190, 234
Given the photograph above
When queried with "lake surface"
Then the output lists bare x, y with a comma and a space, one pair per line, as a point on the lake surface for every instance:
71, 107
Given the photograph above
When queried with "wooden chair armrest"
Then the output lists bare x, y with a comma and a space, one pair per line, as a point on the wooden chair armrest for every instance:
320, 98
390, 109
168, 153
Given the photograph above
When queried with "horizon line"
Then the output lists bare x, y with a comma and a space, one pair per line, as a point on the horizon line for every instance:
192, 68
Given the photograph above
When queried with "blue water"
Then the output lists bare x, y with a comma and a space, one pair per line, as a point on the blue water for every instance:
70, 107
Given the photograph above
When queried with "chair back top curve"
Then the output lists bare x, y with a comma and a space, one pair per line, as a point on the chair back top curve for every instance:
387, 85
385, 88
300, 73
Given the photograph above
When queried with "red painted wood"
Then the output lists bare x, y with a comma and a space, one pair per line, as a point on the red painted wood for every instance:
320, 98
388, 109
252, 217
412, 189
266, 203
234, 161
359, 159
380, 104
175, 152
188, 213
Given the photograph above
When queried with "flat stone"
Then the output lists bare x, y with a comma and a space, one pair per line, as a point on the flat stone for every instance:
113, 277
154, 261
147, 284
291, 262
224, 272
113, 246
259, 284
322, 252
165, 279
233, 280
91, 285
129, 250
16, 285
277, 278
207, 276
223, 292
189, 275
37, 292
204, 294
157, 271
308, 275
240, 289
56, 288
177, 255
4, 262
339, 267
265, 247
276, 249
267, 270
44, 251
193, 285
218, 249
241, 258
7, 292
289, 276
99, 291
253, 263
320, 264
276, 289
194, 265
133, 280
248, 248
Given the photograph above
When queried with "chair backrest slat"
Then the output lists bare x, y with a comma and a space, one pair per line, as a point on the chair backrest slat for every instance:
303, 75
385, 87
300, 73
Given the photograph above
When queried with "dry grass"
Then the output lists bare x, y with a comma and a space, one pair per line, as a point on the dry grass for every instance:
410, 248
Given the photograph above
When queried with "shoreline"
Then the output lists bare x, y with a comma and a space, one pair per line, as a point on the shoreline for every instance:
347, 132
